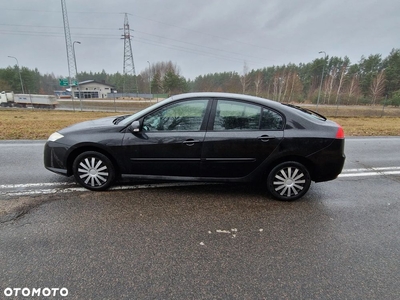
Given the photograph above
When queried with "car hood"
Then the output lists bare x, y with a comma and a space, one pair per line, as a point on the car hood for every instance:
103, 122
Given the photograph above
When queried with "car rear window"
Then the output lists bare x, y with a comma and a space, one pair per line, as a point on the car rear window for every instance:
307, 112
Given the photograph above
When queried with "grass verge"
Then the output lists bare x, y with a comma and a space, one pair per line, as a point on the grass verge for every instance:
39, 124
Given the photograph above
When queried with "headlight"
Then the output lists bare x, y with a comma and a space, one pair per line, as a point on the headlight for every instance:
55, 136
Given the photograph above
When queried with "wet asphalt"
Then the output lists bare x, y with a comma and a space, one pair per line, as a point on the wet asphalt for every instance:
341, 241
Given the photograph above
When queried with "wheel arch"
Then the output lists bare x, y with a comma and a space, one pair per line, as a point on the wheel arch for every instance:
308, 164
74, 154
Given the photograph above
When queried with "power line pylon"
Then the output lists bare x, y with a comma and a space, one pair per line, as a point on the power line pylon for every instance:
130, 79
68, 43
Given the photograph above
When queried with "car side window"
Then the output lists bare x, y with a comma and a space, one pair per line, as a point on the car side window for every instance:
233, 115
182, 116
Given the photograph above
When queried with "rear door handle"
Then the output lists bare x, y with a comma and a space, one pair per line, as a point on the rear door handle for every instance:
265, 138
190, 142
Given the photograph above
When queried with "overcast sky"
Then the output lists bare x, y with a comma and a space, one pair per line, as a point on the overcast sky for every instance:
200, 36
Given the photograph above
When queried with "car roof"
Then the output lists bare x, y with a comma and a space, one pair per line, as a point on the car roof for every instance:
287, 110
259, 100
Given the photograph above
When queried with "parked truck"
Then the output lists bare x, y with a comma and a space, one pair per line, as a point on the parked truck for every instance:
9, 99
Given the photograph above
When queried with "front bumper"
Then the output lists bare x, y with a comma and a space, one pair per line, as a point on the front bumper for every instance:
54, 158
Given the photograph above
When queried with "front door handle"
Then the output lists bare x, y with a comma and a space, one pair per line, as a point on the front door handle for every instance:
190, 142
265, 138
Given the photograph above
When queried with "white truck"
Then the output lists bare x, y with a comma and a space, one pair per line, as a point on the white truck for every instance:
9, 99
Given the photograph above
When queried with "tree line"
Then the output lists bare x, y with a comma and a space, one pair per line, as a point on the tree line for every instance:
327, 80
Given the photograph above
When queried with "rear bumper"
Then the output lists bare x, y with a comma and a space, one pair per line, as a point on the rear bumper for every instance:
329, 162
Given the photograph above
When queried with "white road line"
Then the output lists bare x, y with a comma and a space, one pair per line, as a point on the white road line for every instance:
68, 187
30, 185
81, 189
44, 191
381, 171
371, 169
370, 174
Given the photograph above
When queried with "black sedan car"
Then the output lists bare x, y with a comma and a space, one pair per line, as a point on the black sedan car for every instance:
210, 137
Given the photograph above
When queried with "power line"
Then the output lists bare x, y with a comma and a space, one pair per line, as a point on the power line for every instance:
154, 21
190, 47
147, 41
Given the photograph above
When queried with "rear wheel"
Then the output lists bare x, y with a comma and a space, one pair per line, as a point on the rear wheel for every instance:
289, 181
93, 171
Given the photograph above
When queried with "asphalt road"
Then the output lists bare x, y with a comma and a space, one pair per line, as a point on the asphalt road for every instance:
341, 241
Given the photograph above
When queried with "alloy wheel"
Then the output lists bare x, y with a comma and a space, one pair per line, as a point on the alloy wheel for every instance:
93, 170
289, 181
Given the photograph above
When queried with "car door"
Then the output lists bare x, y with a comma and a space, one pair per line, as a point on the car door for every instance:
240, 136
170, 140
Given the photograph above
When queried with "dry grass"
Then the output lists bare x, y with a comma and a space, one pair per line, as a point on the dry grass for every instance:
39, 124
357, 111
371, 126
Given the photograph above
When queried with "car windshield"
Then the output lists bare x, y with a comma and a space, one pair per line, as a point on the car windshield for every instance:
125, 120
307, 112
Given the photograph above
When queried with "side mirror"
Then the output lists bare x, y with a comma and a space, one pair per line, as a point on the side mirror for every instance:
134, 127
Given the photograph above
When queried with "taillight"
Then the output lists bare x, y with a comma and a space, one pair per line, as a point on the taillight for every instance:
340, 133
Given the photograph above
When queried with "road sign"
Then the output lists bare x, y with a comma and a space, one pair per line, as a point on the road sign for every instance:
63, 82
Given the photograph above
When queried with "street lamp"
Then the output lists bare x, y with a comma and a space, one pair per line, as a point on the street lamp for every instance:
149, 79
322, 78
76, 75
19, 72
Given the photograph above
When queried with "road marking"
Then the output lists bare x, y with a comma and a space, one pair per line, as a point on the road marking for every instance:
26, 189
63, 190
372, 168
31, 185
369, 174
381, 171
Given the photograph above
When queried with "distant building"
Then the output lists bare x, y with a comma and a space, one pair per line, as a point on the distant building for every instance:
92, 89
63, 94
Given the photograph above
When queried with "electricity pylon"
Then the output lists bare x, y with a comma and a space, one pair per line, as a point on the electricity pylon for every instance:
68, 44
130, 79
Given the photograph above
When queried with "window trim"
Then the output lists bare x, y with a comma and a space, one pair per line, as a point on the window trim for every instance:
203, 123
213, 112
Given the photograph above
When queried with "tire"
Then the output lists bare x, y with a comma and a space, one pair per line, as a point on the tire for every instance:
288, 181
93, 171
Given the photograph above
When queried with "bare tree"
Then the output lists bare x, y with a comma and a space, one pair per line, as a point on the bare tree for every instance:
244, 79
342, 74
295, 79
258, 82
275, 88
332, 77
269, 89
378, 86
353, 87
163, 68
286, 84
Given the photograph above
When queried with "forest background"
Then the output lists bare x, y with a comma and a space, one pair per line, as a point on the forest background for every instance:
371, 81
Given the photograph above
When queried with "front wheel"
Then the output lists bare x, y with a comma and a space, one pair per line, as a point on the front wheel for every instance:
93, 171
288, 181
